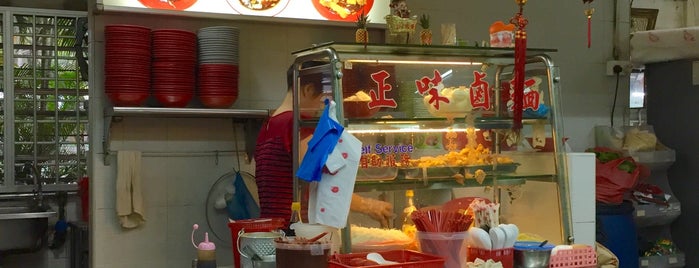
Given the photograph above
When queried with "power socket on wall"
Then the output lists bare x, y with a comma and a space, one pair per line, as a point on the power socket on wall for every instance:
626, 67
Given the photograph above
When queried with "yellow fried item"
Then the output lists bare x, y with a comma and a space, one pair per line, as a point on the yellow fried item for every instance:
466, 157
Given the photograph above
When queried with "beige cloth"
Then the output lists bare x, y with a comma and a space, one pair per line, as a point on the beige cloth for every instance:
129, 195
605, 257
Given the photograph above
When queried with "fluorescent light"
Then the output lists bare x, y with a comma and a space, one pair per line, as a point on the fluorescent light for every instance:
405, 130
419, 62
447, 73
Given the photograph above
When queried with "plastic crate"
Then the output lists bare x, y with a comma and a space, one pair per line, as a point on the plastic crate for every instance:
504, 256
250, 226
666, 261
578, 257
655, 214
406, 259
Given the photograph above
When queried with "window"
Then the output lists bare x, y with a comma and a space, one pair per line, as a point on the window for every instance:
44, 97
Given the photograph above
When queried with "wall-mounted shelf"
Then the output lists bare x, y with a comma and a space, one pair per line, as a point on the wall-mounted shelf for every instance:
185, 112
252, 119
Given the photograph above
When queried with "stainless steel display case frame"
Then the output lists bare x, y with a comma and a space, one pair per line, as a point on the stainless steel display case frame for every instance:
500, 58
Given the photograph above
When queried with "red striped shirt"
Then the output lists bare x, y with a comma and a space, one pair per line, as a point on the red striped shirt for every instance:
273, 166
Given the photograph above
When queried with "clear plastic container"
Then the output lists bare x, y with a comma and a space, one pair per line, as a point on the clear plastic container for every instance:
655, 160
307, 230
450, 246
314, 255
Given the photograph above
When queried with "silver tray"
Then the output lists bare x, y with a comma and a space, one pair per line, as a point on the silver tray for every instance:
454, 172
377, 173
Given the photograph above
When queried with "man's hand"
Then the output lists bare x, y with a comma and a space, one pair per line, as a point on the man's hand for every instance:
376, 209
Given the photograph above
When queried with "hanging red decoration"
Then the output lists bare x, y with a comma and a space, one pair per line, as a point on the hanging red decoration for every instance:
588, 13
520, 60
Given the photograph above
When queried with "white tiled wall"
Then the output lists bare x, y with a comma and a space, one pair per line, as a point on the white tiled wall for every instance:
175, 191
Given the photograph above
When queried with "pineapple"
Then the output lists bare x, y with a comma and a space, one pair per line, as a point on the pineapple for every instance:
425, 33
362, 35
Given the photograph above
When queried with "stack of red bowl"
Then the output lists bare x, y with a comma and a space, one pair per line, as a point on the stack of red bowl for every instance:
127, 64
174, 66
218, 85
218, 66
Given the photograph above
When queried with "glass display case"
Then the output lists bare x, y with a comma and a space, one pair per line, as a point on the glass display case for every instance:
440, 117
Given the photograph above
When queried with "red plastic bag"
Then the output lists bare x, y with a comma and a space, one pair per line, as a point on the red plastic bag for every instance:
612, 183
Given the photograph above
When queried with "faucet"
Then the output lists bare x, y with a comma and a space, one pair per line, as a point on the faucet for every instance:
36, 176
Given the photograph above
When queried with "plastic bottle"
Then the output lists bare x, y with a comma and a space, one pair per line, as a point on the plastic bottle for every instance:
408, 225
206, 251
295, 217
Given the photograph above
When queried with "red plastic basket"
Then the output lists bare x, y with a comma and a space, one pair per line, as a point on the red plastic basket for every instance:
578, 257
406, 259
250, 226
504, 256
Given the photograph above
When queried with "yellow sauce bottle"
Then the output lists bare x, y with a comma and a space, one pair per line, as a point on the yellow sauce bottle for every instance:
408, 225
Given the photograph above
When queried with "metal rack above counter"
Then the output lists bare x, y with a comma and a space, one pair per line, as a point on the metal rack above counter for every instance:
251, 118
185, 112
405, 184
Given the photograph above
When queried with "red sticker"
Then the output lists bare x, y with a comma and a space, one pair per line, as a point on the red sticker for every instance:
340, 141
335, 189
344, 155
322, 209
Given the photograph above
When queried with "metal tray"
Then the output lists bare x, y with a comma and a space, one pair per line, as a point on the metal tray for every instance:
377, 173
431, 172
500, 169
452, 172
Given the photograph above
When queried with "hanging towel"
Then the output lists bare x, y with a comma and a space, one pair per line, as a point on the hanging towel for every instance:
129, 196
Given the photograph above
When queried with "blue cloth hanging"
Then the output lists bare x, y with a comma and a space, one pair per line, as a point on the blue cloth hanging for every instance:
324, 139
242, 205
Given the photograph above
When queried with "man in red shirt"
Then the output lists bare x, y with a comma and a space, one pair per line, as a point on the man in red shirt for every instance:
273, 154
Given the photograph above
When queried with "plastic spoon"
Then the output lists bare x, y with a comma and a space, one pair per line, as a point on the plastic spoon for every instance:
377, 258
497, 237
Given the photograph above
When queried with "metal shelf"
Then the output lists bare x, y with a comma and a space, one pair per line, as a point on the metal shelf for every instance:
187, 112
420, 50
250, 117
409, 184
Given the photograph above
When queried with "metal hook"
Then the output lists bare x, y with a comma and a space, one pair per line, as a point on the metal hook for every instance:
235, 142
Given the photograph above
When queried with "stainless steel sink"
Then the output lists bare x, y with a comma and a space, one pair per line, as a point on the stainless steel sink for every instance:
16, 213
23, 228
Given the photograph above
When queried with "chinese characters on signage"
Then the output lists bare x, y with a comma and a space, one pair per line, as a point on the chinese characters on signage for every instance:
429, 86
378, 95
432, 86
531, 98
480, 91
384, 155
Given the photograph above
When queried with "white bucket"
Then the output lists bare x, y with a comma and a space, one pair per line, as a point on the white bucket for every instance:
260, 243
306, 230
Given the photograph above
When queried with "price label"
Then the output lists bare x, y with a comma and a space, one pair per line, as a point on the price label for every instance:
672, 260
644, 263
640, 213
316, 249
